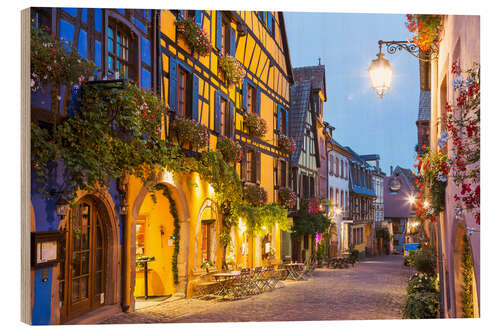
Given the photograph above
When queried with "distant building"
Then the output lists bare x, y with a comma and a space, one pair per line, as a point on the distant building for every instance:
398, 187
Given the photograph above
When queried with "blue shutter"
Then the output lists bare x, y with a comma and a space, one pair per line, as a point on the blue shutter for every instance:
257, 101
218, 31
232, 42
231, 120
244, 94
172, 94
217, 114
197, 16
278, 126
286, 123
194, 110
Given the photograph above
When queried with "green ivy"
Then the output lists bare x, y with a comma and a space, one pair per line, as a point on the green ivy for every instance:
260, 220
177, 228
467, 288
306, 223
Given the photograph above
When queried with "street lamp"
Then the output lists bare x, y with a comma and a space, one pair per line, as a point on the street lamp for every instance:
380, 70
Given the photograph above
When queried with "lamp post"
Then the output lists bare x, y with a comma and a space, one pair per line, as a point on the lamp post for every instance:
380, 71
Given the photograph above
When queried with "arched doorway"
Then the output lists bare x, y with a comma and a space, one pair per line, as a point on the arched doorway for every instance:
207, 234
87, 278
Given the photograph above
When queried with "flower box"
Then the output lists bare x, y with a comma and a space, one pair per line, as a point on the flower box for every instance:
286, 144
189, 132
287, 197
256, 125
255, 195
230, 150
195, 36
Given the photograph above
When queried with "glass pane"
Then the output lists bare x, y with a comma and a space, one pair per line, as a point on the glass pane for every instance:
61, 294
75, 290
110, 32
84, 282
110, 63
98, 286
84, 262
119, 50
119, 37
98, 260
110, 46
98, 237
75, 264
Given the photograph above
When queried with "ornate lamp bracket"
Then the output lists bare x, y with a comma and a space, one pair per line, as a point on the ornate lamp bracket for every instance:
411, 48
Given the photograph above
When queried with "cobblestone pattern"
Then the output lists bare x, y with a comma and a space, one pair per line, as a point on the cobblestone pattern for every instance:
373, 289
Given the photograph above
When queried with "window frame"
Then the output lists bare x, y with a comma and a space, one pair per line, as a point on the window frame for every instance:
116, 27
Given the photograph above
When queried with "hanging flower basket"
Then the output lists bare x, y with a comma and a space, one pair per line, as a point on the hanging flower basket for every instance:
425, 28
194, 35
256, 125
188, 131
255, 195
286, 144
233, 70
287, 197
230, 150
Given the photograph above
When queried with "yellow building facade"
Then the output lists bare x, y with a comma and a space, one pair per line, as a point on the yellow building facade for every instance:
195, 88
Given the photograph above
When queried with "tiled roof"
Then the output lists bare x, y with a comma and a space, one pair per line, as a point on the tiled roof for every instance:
299, 105
409, 177
424, 105
315, 74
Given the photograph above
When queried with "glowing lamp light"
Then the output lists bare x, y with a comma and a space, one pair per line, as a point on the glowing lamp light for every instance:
426, 204
241, 225
211, 190
411, 199
380, 72
338, 211
62, 207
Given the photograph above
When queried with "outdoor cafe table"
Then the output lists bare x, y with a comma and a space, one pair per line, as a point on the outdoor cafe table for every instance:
223, 280
295, 270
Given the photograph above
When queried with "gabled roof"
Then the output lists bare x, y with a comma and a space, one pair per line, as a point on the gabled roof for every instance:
424, 106
408, 177
315, 74
286, 50
299, 106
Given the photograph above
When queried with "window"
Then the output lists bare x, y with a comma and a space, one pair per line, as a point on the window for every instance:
342, 169
331, 165
337, 198
118, 51
186, 13
282, 121
140, 238
342, 198
251, 99
337, 166
331, 194
182, 92
225, 36
225, 118
270, 23
282, 173
207, 235
250, 165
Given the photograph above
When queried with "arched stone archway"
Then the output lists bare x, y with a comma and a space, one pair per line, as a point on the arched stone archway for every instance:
175, 190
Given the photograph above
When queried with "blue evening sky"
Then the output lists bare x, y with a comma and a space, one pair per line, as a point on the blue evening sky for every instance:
346, 44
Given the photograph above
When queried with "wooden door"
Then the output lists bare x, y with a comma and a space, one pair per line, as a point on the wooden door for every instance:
85, 273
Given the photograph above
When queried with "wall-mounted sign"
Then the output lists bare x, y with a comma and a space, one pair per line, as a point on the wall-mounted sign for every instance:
46, 248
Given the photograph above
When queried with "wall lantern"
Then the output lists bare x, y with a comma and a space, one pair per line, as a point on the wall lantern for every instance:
380, 70
62, 207
123, 207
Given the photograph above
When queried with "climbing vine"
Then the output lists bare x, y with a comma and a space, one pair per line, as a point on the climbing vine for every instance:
467, 299
176, 235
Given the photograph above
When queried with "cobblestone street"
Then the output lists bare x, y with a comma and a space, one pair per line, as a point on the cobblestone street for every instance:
372, 289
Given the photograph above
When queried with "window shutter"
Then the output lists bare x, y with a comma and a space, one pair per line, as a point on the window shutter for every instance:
257, 167
278, 126
244, 94
286, 123
173, 75
232, 42
257, 101
197, 16
194, 104
218, 32
231, 120
217, 114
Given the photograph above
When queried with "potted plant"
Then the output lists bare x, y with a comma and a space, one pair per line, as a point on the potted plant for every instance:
230, 150
233, 70
206, 265
425, 29
256, 125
